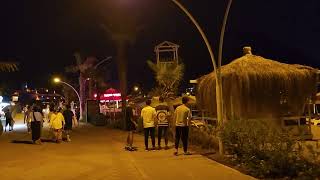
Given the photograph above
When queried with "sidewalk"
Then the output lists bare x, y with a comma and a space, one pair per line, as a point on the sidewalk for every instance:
98, 153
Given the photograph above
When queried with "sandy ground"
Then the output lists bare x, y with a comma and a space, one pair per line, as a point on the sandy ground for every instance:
98, 153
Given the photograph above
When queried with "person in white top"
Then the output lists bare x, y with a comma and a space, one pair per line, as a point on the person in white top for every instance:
27, 117
46, 112
182, 117
148, 115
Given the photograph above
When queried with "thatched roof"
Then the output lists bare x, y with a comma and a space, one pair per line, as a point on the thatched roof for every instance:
178, 101
254, 87
318, 98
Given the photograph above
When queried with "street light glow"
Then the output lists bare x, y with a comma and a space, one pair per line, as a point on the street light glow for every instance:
56, 80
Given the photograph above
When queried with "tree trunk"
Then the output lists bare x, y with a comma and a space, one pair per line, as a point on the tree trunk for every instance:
82, 93
122, 72
90, 91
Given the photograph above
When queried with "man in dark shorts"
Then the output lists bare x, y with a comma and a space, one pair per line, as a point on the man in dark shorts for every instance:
68, 116
130, 126
9, 120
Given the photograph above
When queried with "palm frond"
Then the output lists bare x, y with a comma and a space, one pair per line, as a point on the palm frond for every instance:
153, 66
168, 76
78, 58
8, 66
72, 69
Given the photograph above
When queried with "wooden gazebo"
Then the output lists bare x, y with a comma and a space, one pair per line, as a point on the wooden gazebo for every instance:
167, 52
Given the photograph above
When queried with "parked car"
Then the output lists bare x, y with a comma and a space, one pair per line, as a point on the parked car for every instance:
197, 123
315, 121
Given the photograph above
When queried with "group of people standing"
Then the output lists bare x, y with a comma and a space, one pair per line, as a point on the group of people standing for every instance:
59, 120
159, 117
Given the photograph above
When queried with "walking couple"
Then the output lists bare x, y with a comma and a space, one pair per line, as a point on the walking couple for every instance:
61, 121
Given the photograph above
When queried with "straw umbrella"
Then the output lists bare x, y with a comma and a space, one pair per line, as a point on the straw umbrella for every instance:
256, 87
318, 98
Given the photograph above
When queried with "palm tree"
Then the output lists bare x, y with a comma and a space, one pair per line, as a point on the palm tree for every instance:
121, 24
82, 67
8, 66
168, 77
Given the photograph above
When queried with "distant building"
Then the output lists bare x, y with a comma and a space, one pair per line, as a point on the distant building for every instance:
43, 95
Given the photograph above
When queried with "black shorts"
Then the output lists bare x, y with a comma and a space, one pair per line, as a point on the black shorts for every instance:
130, 126
68, 127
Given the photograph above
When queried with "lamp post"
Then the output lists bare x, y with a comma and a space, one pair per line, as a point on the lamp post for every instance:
217, 70
94, 81
58, 80
136, 88
102, 61
216, 66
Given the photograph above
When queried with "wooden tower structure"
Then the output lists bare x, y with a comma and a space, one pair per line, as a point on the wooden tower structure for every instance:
167, 52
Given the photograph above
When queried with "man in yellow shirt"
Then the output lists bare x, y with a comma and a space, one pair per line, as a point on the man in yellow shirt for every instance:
57, 122
148, 115
182, 117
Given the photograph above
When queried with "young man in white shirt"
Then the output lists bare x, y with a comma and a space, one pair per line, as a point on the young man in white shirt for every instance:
148, 115
182, 117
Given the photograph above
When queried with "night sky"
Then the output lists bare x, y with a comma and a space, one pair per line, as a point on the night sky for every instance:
42, 35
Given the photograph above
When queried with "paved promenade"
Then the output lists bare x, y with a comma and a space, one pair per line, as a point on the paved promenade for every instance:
98, 153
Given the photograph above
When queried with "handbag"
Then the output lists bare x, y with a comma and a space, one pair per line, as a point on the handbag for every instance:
74, 121
12, 122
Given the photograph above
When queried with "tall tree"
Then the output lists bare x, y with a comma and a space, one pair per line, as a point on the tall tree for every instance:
121, 24
7, 67
82, 66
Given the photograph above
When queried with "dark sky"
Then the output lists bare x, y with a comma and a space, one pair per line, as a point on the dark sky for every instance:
43, 35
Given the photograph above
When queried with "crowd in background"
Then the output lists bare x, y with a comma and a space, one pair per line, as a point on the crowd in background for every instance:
60, 119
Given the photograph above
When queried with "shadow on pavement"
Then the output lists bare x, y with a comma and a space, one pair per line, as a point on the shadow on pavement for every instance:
48, 140
30, 142
21, 142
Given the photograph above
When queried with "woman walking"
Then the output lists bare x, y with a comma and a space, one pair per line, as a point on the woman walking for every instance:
68, 116
36, 123
27, 117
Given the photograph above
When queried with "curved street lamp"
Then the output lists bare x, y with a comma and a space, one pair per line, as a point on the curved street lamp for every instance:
216, 66
94, 81
58, 80
102, 61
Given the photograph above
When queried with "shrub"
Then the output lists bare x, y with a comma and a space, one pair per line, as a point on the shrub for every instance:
267, 151
204, 137
98, 120
115, 120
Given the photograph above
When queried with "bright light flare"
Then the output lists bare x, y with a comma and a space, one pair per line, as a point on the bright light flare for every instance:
56, 80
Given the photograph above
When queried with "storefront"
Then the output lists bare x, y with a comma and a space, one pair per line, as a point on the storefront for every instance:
110, 101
